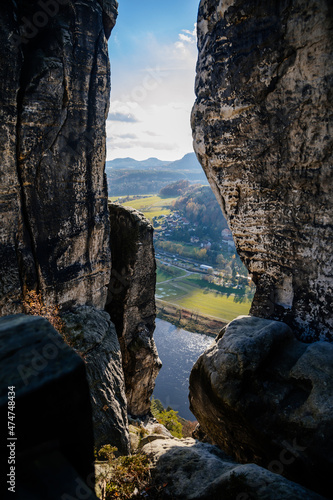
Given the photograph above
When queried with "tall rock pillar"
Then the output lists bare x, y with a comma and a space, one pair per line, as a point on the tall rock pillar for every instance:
263, 132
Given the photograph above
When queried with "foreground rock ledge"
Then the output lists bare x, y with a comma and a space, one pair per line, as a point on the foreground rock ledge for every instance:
265, 397
54, 445
199, 471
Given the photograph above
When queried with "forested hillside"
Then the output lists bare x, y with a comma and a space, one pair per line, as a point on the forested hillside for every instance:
199, 205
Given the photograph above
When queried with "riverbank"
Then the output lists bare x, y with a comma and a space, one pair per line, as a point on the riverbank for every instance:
188, 320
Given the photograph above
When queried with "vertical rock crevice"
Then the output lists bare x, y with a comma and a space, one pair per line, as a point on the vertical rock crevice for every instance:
62, 89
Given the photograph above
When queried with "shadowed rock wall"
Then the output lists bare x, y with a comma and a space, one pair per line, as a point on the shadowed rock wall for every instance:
131, 303
54, 90
93, 335
52, 432
262, 128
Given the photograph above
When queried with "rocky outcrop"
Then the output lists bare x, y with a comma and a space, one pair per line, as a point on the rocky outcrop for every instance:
54, 90
55, 227
189, 470
92, 334
265, 397
262, 127
48, 435
131, 303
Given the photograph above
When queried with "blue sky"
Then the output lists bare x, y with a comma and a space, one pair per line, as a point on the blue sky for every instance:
153, 55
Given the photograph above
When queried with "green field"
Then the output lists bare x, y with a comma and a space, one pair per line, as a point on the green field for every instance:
190, 292
152, 206
185, 293
165, 273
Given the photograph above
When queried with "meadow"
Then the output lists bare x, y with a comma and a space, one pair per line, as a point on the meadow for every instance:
192, 293
152, 206
189, 292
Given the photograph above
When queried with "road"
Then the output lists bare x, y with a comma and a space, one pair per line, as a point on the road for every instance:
184, 259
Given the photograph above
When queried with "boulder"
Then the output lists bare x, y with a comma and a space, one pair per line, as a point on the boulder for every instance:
45, 413
189, 470
263, 132
93, 335
265, 397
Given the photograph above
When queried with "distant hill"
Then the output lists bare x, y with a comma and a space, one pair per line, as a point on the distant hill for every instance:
128, 182
127, 176
188, 162
130, 163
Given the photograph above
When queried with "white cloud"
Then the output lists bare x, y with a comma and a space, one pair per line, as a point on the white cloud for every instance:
186, 38
122, 117
156, 95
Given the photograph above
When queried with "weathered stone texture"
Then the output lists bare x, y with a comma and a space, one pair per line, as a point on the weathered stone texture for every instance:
93, 335
54, 101
10, 206
131, 303
189, 470
263, 132
265, 397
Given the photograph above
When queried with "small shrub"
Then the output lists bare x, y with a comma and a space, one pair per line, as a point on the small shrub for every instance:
156, 407
127, 476
188, 428
169, 418
34, 306
107, 453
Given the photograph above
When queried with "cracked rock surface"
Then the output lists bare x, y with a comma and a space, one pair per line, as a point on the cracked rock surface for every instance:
189, 470
93, 334
263, 132
54, 89
131, 303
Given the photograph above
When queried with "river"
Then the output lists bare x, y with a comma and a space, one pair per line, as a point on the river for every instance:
178, 351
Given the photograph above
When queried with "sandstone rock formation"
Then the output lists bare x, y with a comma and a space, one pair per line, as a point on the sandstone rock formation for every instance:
263, 132
54, 90
93, 335
199, 471
52, 424
55, 227
265, 397
131, 303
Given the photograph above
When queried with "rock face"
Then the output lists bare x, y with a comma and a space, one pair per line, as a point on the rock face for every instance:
54, 90
262, 127
131, 303
265, 397
199, 471
53, 420
94, 336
